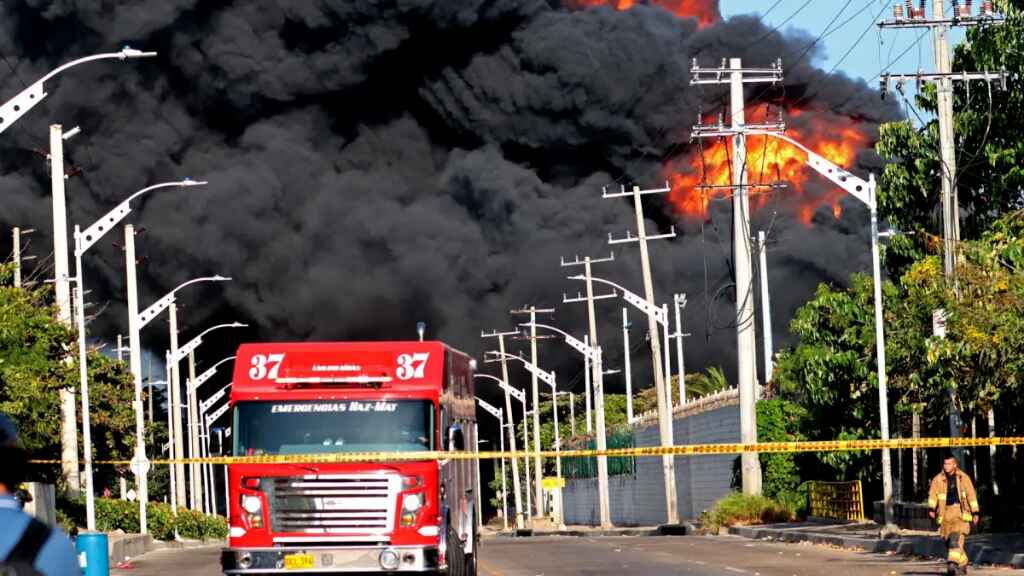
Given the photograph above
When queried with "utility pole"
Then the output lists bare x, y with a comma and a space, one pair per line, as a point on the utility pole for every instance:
538, 472
572, 414
746, 340
520, 522
62, 289
149, 364
586, 388
586, 262
194, 485
664, 410
766, 308
140, 464
171, 473
679, 301
943, 79
178, 470
16, 250
625, 365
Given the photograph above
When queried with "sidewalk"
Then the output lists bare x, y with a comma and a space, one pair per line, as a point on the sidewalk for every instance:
1003, 549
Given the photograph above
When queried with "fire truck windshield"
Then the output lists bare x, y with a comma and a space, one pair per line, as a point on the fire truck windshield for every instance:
321, 426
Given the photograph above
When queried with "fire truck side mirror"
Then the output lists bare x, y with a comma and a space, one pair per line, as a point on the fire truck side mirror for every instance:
456, 439
217, 442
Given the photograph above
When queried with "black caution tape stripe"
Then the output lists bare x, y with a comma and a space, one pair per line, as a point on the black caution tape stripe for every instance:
687, 450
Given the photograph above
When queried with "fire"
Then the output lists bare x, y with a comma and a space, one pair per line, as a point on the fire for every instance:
838, 139
705, 11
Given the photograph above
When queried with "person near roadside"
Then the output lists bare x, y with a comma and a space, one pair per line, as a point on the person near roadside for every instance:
27, 546
953, 504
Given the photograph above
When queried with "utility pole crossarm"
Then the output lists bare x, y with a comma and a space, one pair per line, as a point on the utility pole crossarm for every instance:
629, 238
581, 298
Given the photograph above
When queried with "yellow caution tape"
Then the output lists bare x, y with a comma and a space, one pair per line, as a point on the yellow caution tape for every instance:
686, 450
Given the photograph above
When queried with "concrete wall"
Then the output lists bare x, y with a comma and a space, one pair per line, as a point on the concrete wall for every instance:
638, 499
44, 503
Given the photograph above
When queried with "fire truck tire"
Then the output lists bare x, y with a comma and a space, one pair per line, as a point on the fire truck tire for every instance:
471, 559
455, 557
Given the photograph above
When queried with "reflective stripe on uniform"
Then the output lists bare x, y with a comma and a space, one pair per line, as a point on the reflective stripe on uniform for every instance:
932, 502
966, 516
974, 506
958, 556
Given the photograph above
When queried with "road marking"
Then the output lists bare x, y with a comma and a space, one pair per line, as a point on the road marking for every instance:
737, 570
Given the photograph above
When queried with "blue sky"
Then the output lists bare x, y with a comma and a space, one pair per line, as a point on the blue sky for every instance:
870, 54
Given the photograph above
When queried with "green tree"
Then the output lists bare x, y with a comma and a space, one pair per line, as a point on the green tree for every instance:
989, 128
34, 348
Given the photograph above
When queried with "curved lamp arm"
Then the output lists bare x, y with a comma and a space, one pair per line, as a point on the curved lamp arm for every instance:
195, 342
27, 99
97, 229
160, 305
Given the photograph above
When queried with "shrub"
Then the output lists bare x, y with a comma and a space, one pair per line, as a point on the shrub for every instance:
739, 509
113, 514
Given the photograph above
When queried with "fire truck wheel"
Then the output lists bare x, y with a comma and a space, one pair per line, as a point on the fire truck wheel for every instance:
456, 558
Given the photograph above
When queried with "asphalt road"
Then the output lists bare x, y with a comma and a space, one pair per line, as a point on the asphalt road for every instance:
618, 556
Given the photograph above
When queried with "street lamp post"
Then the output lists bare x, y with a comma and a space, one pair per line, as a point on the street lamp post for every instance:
136, 322
27, 99
176, 357
497, 413
83, 241
866, 192
658, 315
549, 379
520, 395
209, 500
594, 353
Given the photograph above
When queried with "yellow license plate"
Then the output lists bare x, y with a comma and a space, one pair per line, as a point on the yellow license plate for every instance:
298, 561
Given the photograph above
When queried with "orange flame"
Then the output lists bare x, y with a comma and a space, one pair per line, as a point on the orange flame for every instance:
705, 11
837, 139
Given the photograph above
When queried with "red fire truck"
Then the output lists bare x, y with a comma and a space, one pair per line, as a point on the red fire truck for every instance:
329, 398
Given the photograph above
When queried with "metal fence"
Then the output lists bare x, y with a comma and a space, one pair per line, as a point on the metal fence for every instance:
586, 467
835, 500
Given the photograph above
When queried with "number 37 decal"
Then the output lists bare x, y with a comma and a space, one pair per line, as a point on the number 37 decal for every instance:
412, 365
265, 366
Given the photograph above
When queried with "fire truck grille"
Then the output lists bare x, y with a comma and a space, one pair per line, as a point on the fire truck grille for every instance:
362, 504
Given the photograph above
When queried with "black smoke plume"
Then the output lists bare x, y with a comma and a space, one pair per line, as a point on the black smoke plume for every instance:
373, 164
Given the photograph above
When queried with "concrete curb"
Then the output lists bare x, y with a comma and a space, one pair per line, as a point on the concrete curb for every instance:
666, 530
121, 546
922, 546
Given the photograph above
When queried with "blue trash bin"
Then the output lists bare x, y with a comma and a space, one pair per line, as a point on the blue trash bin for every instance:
93, 553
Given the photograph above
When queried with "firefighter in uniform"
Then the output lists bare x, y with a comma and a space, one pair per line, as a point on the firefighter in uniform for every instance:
953, 498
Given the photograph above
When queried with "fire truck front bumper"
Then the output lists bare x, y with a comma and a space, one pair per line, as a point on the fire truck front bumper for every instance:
317, 559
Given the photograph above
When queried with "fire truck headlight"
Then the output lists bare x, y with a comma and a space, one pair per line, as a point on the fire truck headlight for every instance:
412, 502
252, 504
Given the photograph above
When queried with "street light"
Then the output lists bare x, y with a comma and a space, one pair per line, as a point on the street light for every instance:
866, 192
549, 379
176, 357
660, 315
84, 241
520, 395
138, 320
594, 353
497, 413
25, 100
209, 500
